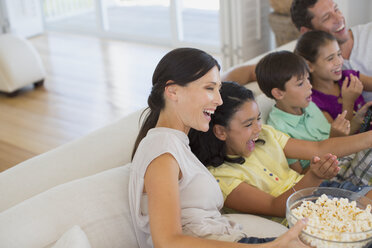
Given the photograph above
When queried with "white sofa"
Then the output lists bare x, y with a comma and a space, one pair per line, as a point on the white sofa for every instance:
83, 184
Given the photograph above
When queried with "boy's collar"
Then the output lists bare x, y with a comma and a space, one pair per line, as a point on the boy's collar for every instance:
289, 118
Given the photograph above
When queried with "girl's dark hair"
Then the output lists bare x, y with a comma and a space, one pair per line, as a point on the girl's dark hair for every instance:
180, 66
205, 145
309, 43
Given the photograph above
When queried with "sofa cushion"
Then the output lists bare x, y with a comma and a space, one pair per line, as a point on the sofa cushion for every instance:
256, 226
98, 204
73, 238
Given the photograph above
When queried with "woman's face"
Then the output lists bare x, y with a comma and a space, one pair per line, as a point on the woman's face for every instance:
243, 130
198, 101
328, 65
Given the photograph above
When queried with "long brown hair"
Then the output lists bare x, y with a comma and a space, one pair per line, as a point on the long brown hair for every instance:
181, 66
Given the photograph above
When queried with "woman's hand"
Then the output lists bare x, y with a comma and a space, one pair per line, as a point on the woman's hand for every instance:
290, 238
340, 126
325, 168
350, 91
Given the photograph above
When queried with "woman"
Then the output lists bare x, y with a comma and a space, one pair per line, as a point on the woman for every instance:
174, 200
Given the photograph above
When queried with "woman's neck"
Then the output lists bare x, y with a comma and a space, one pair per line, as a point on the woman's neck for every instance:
169, 119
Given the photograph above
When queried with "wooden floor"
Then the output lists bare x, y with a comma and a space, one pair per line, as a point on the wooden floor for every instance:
90, 82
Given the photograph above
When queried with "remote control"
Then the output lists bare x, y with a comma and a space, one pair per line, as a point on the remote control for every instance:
367, 119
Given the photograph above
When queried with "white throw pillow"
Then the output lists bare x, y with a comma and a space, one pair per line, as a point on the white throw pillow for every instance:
73, 238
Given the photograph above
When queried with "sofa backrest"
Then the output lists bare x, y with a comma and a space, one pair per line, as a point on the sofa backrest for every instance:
265, 104
103, 149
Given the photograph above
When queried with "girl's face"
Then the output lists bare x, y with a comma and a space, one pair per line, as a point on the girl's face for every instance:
329, 62
198, 100
243, 130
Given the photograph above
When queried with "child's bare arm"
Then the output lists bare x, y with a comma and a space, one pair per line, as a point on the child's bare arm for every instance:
249, 199
296, 166
327, 116
339, 146
366, 81
350, 91
340, 126
358, 118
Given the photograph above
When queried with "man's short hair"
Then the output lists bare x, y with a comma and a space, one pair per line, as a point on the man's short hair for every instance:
277, 68
300, 14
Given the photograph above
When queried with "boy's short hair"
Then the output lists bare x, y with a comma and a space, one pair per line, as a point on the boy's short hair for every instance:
300, 14
277, 68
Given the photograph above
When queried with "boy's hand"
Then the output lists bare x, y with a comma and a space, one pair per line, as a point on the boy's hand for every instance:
325, 168
340, 126
350, 91
359, 116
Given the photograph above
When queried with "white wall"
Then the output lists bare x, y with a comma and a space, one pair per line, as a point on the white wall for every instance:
245, 30
355, 11
23, 17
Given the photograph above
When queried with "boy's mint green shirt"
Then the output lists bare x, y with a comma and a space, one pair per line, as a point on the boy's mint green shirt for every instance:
311, 125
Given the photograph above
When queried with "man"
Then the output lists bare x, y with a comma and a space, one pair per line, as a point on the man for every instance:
323, 15
354, 43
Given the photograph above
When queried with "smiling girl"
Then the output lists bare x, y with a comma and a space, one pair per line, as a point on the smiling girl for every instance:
334, 90
249, 160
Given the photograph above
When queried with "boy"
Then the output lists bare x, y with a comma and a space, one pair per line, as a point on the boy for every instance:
283, 76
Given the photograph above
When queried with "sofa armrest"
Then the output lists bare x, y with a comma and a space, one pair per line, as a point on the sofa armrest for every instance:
105, 148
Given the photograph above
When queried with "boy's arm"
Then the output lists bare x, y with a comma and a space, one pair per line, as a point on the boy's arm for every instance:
242, 74
340, 126
327, 116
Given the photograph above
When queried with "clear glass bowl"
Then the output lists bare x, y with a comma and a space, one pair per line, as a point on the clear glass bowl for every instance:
360, 239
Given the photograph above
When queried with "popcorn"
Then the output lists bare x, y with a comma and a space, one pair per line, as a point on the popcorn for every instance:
334, 219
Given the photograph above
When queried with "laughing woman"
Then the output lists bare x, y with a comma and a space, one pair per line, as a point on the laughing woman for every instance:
174, 200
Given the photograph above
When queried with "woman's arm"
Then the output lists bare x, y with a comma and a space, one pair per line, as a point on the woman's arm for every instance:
161, 186
242, 74
248, 199
339, 146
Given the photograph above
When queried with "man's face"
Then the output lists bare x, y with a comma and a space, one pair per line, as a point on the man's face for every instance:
328, 18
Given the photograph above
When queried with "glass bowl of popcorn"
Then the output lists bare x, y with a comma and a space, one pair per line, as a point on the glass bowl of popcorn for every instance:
337, 217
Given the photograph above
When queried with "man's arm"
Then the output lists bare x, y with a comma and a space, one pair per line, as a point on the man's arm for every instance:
242, 74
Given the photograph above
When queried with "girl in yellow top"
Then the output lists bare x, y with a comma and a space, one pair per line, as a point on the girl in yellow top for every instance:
249, 160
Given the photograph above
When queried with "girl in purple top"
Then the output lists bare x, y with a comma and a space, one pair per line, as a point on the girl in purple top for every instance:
330, 103
334, 90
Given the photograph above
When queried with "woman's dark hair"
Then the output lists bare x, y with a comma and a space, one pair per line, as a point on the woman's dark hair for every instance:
205, 145
180, 66
309, 43
277, 68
